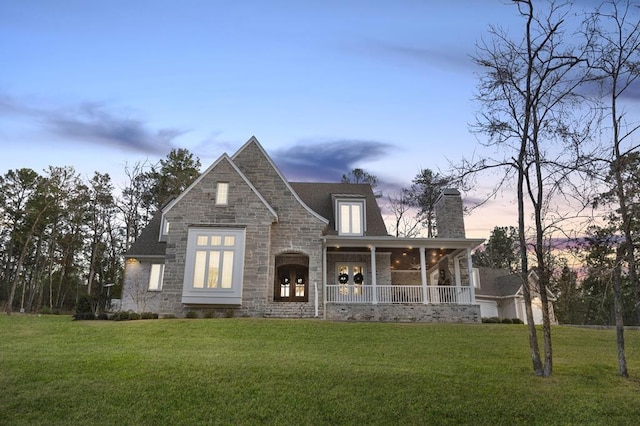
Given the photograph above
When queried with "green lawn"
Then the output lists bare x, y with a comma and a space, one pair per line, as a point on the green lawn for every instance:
246, 371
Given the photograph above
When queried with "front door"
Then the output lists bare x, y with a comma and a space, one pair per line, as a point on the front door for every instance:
292, 283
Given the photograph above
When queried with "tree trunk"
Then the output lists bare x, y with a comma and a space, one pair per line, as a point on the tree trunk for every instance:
617, 300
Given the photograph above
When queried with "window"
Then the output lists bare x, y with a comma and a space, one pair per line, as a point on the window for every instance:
213, 269
350, 215
222, 193
292, 283
156, 276
351, 278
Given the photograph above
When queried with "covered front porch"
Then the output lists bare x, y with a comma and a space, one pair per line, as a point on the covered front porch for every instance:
367, 275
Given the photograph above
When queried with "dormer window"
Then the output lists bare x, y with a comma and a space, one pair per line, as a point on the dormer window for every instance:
350, 216
222, 194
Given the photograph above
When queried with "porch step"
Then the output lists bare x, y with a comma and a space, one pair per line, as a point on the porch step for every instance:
289, 310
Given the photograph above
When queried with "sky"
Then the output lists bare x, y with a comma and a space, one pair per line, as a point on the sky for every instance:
325, 86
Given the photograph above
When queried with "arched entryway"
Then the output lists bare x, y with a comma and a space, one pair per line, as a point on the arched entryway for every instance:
291, 278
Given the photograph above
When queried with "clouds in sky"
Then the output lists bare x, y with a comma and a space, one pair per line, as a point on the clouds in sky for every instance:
90, 123
327, 161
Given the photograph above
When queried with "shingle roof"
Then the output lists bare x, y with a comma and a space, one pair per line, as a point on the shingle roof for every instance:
147, 243
318, 197
498, 282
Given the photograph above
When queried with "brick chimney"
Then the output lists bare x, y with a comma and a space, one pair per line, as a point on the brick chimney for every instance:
449, 221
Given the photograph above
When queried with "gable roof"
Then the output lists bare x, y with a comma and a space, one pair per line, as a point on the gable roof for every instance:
498, 283
225, 158
147, 244
318, 196
253, 143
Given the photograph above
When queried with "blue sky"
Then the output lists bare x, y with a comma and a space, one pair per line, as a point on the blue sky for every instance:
325, 86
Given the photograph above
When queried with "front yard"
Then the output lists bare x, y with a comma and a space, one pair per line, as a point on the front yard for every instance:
247, 371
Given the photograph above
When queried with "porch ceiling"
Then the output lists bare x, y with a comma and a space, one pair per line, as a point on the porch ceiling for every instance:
405, 252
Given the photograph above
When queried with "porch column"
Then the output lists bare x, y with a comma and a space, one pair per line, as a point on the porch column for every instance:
456, 269
324, 281
423, 275
374, 278
472, 284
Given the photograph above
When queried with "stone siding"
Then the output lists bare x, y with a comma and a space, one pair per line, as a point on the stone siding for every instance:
404, 313
135, 295
449, 214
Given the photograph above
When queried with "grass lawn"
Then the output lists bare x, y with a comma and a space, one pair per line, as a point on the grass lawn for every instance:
294, 372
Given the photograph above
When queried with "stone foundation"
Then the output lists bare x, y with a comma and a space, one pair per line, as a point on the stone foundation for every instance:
404, 313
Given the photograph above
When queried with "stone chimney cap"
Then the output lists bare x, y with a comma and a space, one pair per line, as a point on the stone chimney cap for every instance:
450, 191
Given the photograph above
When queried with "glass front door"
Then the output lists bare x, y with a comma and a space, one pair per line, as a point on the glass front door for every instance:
292, 284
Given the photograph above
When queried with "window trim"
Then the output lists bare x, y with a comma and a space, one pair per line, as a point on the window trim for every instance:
361, 203
219, 295
222, 194
157, 277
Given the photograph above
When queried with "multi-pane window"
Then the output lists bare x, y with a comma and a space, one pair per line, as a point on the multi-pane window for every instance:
156, 276
222, 193
350, 217
213, 268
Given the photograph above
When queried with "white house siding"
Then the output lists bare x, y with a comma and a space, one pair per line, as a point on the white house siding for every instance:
488, 308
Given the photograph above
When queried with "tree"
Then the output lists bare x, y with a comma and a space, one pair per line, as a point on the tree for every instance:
172, 176
616, 60
501, 250
360, 176
531, 108
426, 188
404, 223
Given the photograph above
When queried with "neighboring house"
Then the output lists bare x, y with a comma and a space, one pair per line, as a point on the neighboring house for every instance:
500, 294
243, 240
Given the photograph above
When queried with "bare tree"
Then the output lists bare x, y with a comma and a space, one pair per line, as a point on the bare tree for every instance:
405, 223
531, 113
615, 26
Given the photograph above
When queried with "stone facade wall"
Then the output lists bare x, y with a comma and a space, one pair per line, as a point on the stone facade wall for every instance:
406, 277
404, 313
297, 231
383, 261
197, 209
449, 214
135, 294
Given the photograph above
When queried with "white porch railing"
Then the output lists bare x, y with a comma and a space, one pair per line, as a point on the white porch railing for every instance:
397, 294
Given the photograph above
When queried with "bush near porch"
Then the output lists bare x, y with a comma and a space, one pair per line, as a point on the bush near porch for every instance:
245, 371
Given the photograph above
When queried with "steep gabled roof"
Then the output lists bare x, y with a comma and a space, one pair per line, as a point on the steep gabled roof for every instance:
147, 244
269, 168
225, 158
318, 196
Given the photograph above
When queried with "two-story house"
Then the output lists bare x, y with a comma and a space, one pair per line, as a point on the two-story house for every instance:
243, 240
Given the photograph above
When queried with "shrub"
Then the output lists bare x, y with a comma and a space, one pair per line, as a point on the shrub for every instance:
191, 314
491, 320
120, 316
84, 316
506, 321
210, 314
230, 313
134, 316
147, 315
45, 310
517, 321
103, 316
169, 316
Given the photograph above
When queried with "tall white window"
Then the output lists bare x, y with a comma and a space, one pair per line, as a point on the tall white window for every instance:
350, 217
213, 269
156, 276
222, 193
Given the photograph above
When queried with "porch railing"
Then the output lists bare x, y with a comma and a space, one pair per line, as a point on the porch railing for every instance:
386, 294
